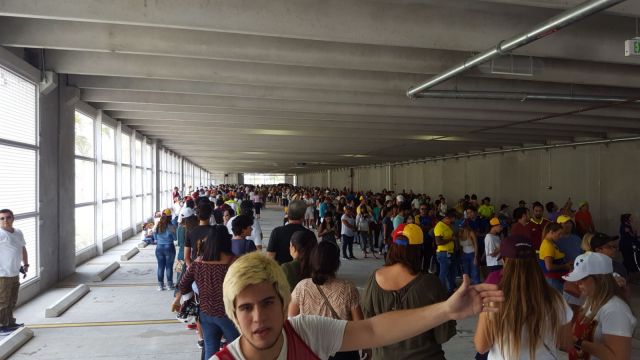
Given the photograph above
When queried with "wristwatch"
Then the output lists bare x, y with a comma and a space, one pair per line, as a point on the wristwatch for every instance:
578, 344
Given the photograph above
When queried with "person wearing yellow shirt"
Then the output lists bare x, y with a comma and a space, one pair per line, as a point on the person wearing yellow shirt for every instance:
486, 210
443, 233
553, 261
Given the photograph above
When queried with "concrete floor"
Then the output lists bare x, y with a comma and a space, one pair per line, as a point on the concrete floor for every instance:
125, 317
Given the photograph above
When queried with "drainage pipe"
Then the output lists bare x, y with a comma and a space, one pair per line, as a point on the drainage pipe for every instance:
548, 27
519, 96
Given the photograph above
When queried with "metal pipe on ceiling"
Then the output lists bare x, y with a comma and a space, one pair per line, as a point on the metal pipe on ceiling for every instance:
520, 96
546, 28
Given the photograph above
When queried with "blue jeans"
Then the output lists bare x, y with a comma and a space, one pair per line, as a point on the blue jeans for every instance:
347, 243
447, 273
365, 241
213, 328
470, 268
165, 254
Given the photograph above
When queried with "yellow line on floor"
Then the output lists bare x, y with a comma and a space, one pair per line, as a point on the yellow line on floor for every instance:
103, 323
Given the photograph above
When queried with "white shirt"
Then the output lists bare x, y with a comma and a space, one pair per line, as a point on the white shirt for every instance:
415, 203
547, 350
175, 210
323, 336
345, 230
614, 318
491, 243
11, 245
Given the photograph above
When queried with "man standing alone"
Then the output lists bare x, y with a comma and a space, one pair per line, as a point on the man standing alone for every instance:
12, 250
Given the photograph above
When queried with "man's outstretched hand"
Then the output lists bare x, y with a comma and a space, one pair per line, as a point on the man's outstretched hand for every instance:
470, 300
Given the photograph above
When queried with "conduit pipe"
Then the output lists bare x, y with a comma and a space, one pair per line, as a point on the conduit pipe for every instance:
538, 32
520, 96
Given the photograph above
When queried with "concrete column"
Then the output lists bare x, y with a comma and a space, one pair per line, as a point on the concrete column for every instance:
119, 182
66, 180
240, 178
389, 178
97, 129
155, 160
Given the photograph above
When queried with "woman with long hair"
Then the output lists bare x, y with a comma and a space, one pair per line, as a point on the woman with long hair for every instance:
164, 236
183, 229
325, 295
208, 272
300, 248
552, 261
534, 320
400, 285
327, 228
363, 221
604, 326
469, 245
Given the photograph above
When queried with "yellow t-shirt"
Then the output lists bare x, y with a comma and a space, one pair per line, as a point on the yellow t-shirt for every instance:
446, 232
549, 248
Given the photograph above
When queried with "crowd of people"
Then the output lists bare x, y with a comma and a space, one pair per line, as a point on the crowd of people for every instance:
556, 271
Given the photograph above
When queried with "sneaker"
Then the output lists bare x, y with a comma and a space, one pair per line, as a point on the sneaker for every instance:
345, 258
161, 288
353, 258
15, 326
200, 344
171, 286
4, 331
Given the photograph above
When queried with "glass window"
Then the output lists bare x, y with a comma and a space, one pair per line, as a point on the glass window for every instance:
126, 181
138, 153
28, 227
17, 108
148, 210
108, 219
139, 210
18, 186
108, 181
84, 135
138, 181
126, 149
85, 227
108, 143
85, 181
125, 214
147, 155
147, 181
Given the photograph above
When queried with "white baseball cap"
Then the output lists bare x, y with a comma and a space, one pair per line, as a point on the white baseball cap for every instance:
400, 198
388, 198
590, 263
186, 212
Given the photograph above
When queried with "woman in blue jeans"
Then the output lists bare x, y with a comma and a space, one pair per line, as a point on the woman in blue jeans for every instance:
164, 236
208, 272
469, 244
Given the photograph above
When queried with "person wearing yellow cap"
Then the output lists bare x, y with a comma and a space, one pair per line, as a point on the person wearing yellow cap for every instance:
492, 245
164, 236
402, 274
584, 220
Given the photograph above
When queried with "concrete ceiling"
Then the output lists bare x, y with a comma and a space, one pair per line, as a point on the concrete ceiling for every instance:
263, 86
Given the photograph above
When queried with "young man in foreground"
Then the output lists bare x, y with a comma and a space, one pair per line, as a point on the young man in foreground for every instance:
256, 297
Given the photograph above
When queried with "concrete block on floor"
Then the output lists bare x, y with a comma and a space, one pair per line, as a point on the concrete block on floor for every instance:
104, 273
131, 253
66, 301
11, 343
142, 245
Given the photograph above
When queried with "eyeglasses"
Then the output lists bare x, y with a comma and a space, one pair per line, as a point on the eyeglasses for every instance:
6, 218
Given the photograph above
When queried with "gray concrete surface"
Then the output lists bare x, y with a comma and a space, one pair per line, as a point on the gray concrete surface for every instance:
125, 317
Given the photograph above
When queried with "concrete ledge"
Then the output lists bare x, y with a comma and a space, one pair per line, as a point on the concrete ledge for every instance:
66, 301
106, 271
11, 343
142, 245
131, 253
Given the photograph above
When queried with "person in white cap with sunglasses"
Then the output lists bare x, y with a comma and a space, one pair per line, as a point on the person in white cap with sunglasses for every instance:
605, 324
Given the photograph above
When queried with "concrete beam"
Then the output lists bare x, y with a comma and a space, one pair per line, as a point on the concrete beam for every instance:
142, 245
357, 21
104, 273
131, 253
13, 342
627, 8
92, 36
62, 305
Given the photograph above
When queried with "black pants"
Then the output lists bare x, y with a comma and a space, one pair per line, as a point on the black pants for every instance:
347, 244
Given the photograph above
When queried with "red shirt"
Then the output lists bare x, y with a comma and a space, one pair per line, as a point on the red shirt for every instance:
519, 229
584, 222
535, 230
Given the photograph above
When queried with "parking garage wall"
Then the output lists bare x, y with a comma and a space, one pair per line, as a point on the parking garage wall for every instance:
603, 174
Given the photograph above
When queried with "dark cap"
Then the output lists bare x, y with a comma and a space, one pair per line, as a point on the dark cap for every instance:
600, 239
516, 247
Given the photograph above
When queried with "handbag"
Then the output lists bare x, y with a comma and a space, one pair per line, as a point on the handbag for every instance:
326, 300
178, 265
433, 265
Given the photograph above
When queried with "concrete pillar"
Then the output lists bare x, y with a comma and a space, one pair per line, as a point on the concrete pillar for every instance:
240, 178
66, 179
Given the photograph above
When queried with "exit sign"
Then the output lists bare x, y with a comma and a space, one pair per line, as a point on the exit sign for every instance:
632, 47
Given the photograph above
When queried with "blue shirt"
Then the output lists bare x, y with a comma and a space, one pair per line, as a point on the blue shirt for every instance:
570, 246
323, 209
242, 246
165, 238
